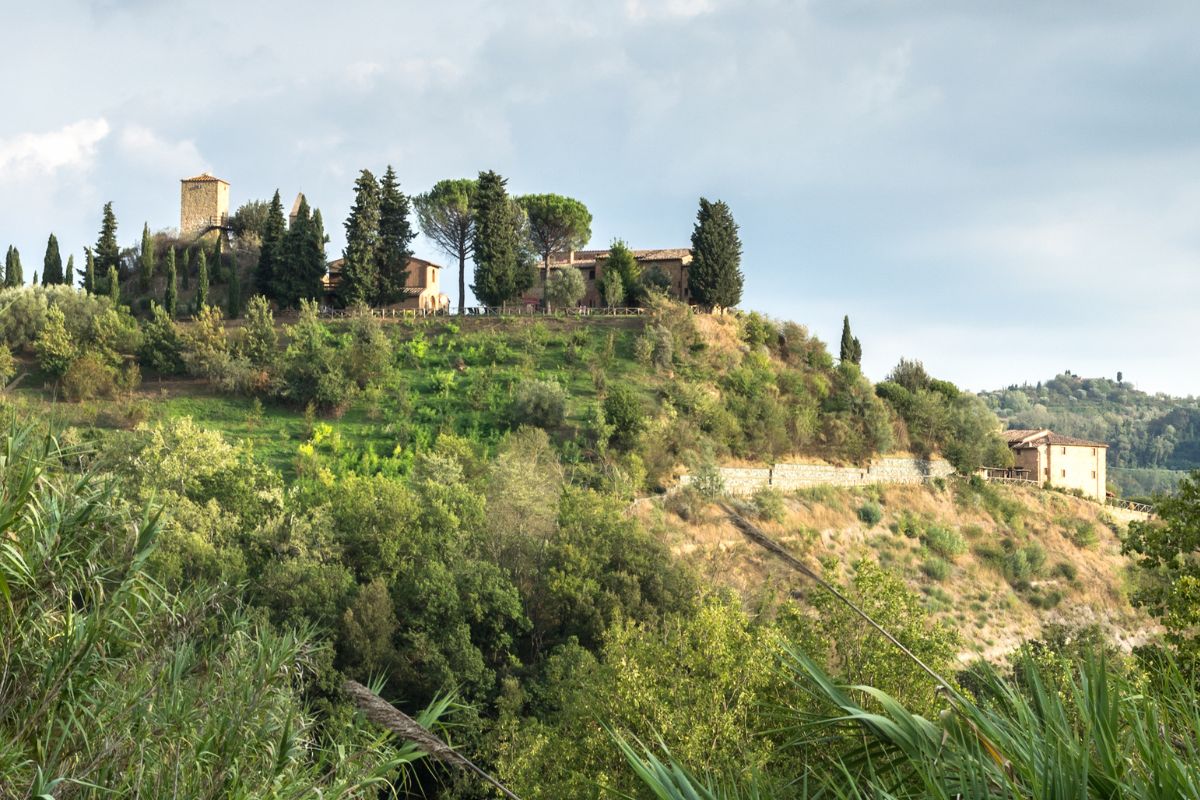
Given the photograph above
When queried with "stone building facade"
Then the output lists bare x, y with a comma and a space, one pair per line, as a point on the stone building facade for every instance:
423, 284
203, 205
1062, 461
673, 263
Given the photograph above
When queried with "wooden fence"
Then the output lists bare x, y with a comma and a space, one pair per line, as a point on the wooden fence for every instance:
485, 311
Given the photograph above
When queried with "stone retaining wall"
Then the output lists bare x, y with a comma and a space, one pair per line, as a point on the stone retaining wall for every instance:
789, 477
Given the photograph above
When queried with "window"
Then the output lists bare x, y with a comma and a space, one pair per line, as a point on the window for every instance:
591, 274
1064, 473
1064, 451
1093, 453
1047, 471
1093, 474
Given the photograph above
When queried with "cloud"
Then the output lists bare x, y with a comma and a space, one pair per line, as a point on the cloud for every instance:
149, 149
362, 74
638, 10
70, 147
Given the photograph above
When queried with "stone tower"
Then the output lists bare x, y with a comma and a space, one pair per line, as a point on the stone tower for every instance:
203, 205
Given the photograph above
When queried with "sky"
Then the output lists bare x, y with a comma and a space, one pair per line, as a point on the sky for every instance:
1001, 190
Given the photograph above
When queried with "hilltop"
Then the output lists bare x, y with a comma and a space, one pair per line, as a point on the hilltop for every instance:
1154, 439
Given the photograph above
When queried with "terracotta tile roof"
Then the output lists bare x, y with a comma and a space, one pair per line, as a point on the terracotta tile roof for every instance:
590, 257
1025, 438
204, 177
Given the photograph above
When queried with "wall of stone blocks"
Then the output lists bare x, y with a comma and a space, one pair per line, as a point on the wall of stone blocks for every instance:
789, 477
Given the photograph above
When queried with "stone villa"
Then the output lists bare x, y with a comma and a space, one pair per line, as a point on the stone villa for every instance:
1062, 461
203, 206
673, 263
424, 286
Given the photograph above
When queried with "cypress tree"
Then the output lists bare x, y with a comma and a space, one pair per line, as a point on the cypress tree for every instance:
201, 282
9, 274
69, 273
304, 252
89, 277
146, 264
14, 273
114, 287
185, 280
360, 259
503, 266
270, 254
850, 350
108, 252
395, 240
52, 266
715, 276
35, 278
233, 297
171, 293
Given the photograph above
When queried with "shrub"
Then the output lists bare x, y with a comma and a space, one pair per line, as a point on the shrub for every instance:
944, 541
161, 348
565, 288
936, 568
539, 403
88, 377
707, 481
259, 340
1067, 570
1083, 534
8, 365
870, 513
625, 413
55, 348
768, 504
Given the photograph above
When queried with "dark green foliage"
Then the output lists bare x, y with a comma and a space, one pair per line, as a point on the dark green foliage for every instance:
312, 369
202, 281
620, 261
68, 277
233, 293
715, 276
171, 292
89, 273
1167, 549
107, 251
114, 286
146, 261
395, 241
870, 513
612, 288
52, 264
249, 223
446, 217
272, 257
538, 403
557, 224
943, 541
161, 349
624, 411
360, 259
13, 274
850, 351
503, 268
303, 265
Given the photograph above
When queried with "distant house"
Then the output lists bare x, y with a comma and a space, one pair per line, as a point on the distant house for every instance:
1062, 461
424, 292
673, 263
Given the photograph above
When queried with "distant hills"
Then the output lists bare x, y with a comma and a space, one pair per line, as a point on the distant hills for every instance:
1154, 439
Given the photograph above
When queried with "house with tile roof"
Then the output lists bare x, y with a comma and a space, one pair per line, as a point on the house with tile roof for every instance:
423, 284
203, 205
1066, 462
673, 263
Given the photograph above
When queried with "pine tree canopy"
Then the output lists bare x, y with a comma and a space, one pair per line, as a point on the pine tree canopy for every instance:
360, 259
446, 217
715, 276
52, 265
503, 267
395, 241
556, 224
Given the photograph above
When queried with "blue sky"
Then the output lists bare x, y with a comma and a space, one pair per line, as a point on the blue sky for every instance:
1003, 190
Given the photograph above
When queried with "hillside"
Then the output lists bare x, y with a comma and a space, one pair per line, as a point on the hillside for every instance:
1154, 439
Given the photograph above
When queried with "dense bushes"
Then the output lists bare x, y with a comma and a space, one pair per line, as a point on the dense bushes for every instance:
542, 404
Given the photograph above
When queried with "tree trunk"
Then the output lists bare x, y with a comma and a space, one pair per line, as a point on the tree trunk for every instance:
545, 280
462, 282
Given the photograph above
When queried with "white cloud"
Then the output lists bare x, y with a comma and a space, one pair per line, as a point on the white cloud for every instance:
361, 74
70, 147
658, 9
147, 148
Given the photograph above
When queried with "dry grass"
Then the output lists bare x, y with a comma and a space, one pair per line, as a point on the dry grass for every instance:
992, 613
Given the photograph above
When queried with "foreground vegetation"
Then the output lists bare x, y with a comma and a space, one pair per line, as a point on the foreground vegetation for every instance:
205, 528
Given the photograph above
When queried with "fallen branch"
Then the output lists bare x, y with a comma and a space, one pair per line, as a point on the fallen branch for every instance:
386, 715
